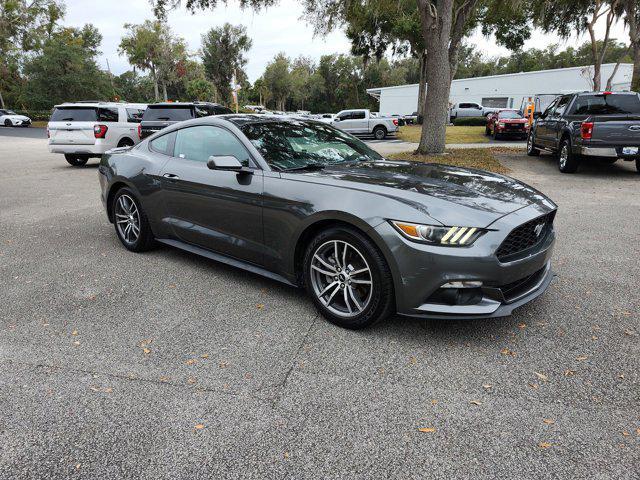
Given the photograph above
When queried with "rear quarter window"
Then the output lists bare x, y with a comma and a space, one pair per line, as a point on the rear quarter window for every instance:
108, 114
163, 144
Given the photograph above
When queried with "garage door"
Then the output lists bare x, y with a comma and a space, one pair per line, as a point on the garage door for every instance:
495, 102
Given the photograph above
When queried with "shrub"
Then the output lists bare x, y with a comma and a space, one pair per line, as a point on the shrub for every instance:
470, 121
35, 115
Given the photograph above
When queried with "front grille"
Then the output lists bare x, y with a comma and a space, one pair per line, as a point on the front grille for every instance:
513, 290
526, 237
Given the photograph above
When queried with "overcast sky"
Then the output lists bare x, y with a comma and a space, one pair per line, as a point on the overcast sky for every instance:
277, 29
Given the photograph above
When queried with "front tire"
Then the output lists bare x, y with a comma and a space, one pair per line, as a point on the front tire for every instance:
567, 160
379, 133
8, 123
532, 151
76, 160
130, 221
348, 278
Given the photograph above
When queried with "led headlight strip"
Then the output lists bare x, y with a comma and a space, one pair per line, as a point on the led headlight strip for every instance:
439, 235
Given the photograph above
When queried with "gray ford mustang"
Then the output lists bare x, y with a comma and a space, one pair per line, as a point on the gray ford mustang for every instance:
309, 205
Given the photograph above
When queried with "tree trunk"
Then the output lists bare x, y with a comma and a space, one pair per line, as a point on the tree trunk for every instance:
164, 91
594, 55
422, 86
1, 101
436, 29
156, 93
635, 80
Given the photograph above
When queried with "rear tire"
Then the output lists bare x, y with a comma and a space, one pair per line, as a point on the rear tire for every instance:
76, 160
638, 164
130, 221
379, 133
125, 142
353, 287
532, 151
487, 131
567, 160
496, 135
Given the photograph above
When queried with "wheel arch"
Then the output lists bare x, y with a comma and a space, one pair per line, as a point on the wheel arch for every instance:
325, 220
115, 186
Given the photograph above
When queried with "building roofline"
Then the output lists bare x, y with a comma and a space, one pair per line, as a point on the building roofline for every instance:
377, 90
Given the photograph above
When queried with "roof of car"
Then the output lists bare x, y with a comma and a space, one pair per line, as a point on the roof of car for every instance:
240, 119
100, 104
182, 104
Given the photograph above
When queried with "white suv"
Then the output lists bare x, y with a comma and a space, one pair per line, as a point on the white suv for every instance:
84, 130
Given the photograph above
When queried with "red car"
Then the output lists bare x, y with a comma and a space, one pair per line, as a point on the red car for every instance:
507, 123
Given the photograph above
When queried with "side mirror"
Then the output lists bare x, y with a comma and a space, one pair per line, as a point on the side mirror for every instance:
224, 162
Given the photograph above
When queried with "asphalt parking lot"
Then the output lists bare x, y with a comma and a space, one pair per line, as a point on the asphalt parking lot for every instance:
169, 366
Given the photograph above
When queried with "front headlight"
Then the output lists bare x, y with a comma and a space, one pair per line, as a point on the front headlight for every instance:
438, 235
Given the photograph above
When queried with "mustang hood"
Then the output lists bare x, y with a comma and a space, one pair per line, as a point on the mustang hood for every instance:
479, 197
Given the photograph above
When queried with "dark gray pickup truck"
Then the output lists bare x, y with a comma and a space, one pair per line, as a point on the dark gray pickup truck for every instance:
604, 125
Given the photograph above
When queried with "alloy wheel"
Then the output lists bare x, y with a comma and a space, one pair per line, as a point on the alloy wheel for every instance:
127, 219
564, 155
341, 278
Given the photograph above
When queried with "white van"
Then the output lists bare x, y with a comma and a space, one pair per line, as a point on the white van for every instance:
85, 130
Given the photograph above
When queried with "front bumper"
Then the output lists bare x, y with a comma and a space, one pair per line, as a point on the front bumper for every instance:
420, 270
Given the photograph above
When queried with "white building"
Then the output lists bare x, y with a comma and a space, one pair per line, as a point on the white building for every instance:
508, 90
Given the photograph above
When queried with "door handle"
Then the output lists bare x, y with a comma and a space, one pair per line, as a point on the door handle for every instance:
171, 176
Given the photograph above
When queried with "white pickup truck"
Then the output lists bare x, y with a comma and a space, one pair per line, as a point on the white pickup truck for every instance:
362, 122
470, 109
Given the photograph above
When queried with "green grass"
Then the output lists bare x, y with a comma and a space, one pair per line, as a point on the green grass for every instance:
481, 158
411, 133
39, 123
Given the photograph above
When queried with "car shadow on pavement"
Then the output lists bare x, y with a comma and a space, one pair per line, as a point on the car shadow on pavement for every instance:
595, 167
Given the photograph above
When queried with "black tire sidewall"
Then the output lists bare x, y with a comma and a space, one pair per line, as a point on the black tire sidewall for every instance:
76, 160
379, 129
381, 302
572, 162
145, 239
532, 151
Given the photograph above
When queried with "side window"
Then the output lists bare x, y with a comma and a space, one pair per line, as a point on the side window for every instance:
163, 143
550, 109
345, 116
465, 105
476, 106
201, 112
201, 142
561, 106
134, 115
221, 110
358, 115
107, 114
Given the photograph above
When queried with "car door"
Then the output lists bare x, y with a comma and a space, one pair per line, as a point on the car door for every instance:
214, 209
345, 122
555, 122
359, 122
542, 133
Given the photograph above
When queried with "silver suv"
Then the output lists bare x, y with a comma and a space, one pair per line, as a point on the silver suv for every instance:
85, 130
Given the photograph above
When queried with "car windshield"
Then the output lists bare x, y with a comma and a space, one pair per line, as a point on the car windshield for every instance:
74, 114
10, 112
510, 115
176, 114
300, 144
606, 104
